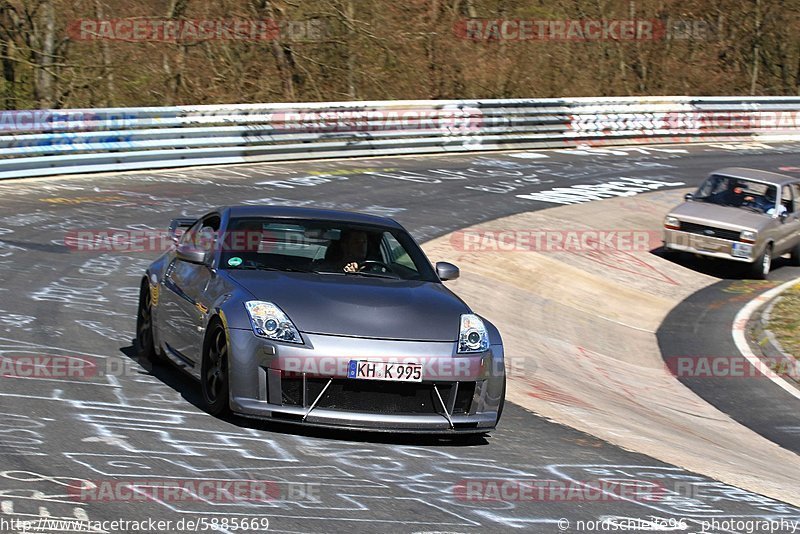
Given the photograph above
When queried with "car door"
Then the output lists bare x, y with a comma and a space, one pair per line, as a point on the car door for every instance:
185, 285
794, 237
790, 225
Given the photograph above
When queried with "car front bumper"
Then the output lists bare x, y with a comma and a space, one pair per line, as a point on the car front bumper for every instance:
308, 384
709, 246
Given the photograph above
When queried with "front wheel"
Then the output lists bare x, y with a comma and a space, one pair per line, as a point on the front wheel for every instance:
145, 343
761, 267
796, 255
214, 373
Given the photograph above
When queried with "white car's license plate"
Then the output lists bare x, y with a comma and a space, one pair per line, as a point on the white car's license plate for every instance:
741, 250
397, 372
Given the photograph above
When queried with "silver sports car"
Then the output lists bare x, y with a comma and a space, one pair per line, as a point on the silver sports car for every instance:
320, 317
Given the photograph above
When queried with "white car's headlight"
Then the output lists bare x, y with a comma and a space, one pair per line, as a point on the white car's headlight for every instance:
672, 223
270, 322
473, 336
748, 236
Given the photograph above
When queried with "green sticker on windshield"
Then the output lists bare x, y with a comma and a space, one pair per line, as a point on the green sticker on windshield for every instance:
235, 261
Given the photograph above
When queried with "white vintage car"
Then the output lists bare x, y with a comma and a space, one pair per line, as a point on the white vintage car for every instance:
737, 214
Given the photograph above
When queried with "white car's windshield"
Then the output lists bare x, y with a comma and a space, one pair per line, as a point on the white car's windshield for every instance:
738, 193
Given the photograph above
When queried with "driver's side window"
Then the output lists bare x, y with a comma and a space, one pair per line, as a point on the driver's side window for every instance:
394, 253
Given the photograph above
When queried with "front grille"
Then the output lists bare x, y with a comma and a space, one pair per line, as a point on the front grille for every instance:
386, 398
292, 390
702, 229
380, 397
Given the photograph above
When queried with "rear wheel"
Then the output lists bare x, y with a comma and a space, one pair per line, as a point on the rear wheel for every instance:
761, 267
214, 374
145, 343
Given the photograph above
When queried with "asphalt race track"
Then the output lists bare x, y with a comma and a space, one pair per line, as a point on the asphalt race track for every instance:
701, 325
123, 423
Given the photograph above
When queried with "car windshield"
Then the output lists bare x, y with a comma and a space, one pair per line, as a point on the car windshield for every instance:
734, 192
323, 247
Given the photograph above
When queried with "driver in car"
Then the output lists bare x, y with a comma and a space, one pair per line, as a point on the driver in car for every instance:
354, 250
348, 253
735, 194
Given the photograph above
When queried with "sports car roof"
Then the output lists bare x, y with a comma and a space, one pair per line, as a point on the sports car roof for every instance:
292, 212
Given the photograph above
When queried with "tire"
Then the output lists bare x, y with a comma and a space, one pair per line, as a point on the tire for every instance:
214, 375
761, 267
796, 254
145, 343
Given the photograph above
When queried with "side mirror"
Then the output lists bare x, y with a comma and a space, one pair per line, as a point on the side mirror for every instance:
190, 253
446, 271
688, 196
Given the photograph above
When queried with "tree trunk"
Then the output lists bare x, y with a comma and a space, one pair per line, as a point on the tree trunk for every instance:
108, 73
281, 52
9, 75
44, 86
756, 50
351, 57
177, 9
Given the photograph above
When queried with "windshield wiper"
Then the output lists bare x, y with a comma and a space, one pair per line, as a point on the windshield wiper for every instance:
270, 268
374, 275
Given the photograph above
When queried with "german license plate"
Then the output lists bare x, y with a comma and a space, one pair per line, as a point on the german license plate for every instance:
395, 372
741, 250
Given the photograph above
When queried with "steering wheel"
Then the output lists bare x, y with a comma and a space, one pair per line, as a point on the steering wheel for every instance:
750, 202
371, 266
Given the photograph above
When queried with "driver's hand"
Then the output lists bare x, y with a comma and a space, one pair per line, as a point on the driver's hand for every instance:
749, 198
351, 267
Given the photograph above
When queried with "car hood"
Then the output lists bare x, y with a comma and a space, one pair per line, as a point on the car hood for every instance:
720, 216
359, 306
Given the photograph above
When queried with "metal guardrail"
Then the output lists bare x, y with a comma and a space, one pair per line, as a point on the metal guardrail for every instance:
49, 142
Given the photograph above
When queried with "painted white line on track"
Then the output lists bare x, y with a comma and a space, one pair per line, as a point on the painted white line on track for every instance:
740, 336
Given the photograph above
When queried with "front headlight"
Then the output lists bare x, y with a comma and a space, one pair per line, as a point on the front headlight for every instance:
270, 322
672, 223
748, 236
473, 336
